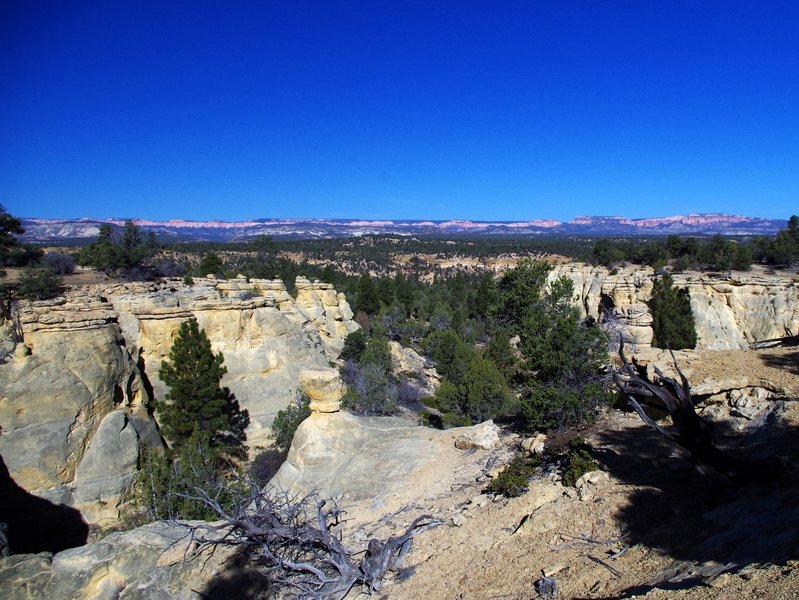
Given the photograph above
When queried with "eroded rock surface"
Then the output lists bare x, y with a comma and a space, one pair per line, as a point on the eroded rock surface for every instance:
379, 464
730, 313
80, 373
73, 408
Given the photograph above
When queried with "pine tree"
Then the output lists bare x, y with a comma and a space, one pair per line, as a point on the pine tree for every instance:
195, 402
368, 300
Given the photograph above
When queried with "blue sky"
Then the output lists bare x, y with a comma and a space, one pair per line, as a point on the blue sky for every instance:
435, 110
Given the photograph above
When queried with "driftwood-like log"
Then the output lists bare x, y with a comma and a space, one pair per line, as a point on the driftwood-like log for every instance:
691, 434
300, 550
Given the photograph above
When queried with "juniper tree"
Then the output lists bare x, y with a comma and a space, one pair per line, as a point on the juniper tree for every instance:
672, 319
10, 227
559, 372
196, 403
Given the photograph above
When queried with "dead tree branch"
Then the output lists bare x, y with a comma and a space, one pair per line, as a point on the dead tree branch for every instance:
299, 548
692, 434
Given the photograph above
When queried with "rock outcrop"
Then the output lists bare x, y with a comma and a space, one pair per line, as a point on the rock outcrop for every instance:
73, 409
77, 387
380, 464
266, 336
730, 313
153, 561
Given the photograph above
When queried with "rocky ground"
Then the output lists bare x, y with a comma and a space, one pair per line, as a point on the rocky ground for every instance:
645, 525
649, 526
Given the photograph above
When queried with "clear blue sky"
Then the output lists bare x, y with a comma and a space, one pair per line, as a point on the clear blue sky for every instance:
480, 110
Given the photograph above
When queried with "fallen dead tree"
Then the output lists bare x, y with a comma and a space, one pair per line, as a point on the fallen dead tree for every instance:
692, 434
295, 543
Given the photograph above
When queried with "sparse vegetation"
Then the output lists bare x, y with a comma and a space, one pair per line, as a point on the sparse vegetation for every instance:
578, 461
287, 420
166, 489
515, 478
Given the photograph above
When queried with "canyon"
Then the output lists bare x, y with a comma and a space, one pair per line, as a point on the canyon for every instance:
80, 373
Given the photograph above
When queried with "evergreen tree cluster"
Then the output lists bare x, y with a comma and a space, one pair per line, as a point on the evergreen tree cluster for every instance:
716, 253
672, 320
464, 324
118, 251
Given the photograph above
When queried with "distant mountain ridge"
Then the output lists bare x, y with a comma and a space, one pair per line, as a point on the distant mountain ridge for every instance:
53, 230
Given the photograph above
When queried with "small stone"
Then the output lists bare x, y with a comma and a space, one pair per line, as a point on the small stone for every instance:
480, 501
590, 478
721, 581
458, 520
535, 524
535, 445
554, 569
496, 471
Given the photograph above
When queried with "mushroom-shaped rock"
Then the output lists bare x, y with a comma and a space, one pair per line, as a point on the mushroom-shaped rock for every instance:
324, 387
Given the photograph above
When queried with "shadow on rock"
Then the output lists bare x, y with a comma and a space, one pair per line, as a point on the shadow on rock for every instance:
237, 580
706, 529
34, 524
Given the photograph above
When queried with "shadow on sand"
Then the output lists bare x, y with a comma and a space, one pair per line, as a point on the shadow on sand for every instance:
706, 529
787, 362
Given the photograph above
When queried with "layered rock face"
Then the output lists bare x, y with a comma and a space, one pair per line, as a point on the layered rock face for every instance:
266, 336
730, 313
73, 409
75, 397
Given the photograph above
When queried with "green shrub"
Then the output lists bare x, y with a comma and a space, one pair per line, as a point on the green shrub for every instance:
354, 345
39, 283
552, 406
515, 479
578, 461
287, 420
173, 489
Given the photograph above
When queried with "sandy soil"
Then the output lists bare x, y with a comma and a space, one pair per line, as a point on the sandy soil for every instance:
650, 527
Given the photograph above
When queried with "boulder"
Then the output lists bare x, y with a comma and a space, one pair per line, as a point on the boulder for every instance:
377, 463
78, 383
156, 561
484, 436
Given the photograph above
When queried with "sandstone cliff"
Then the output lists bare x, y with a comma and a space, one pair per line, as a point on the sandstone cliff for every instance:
76, 391
730, 313
73, 408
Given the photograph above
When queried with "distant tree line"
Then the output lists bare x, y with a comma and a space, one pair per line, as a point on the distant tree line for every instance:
715, 254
